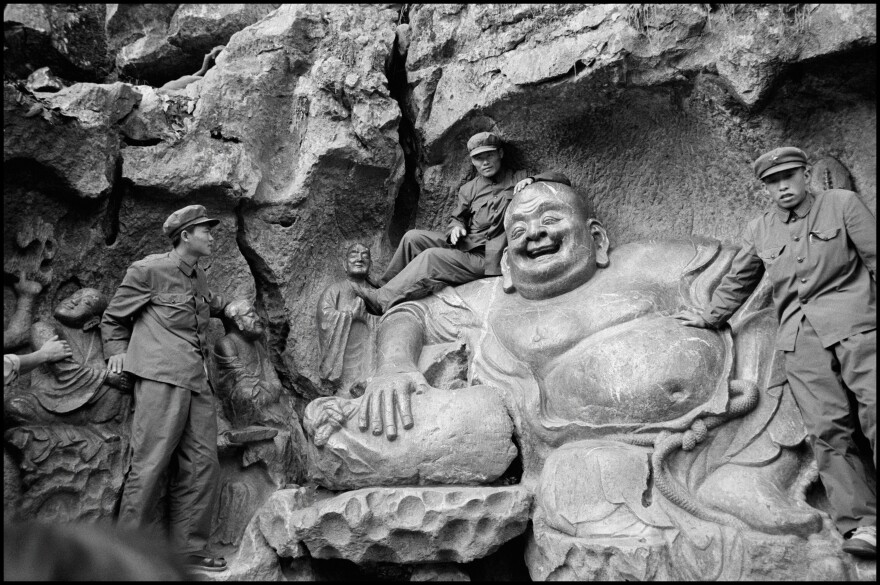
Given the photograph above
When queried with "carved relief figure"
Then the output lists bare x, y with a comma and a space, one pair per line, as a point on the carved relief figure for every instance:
78, 389
555, 338
257, 405
346, 331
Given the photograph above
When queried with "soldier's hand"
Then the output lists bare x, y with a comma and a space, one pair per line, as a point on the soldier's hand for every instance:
456, 233
691, 319
523, 184
387, 394
116, 363
122, 381
54, 350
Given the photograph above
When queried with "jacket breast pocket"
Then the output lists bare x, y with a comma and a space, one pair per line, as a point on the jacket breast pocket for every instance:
173, 309
828, 247
770, 255
171, 298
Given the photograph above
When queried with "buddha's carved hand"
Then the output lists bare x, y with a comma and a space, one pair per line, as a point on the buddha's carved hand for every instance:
386, 394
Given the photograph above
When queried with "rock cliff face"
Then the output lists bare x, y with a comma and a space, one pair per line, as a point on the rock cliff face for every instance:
319, 126
322, 125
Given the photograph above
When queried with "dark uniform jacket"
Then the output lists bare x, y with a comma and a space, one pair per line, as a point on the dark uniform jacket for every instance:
159, 318
480, 210
821, 258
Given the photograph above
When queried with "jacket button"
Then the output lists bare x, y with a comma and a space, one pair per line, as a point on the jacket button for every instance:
803, 280
800, 259
797, 238
803, 301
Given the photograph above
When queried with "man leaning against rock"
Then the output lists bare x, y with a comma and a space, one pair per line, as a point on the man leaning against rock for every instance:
155, 328
471, 248
820, 251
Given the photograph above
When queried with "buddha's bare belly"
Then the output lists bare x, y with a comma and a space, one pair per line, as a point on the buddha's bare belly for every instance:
647, 370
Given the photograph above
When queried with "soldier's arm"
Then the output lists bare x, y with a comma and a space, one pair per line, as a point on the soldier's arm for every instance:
741, 280
861, 226
131, 297
460, 217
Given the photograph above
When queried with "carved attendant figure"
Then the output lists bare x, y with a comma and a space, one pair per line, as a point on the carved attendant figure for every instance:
76, 389
346, 331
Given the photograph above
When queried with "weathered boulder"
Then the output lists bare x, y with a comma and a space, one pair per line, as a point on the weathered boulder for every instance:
137, 35
71, 133
399, 525
69, 38
197, 28
43, 80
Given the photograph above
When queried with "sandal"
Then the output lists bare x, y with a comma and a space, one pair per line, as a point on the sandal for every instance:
206, 563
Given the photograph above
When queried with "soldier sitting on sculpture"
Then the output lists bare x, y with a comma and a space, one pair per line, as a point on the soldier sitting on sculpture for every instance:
253, 399
554, 338
77, 389
346, 330
471, 248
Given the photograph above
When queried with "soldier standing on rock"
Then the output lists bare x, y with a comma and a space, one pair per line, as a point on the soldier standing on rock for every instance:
156, 328
471, 248
820, 251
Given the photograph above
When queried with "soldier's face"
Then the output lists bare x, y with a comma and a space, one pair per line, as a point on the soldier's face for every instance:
488, 163
249, 322
358, 261
550, 247
789, 187
200, 240
77, 308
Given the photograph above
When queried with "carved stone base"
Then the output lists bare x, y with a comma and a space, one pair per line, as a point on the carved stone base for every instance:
552, 556
68, 473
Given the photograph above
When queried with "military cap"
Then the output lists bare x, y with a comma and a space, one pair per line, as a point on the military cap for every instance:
779, 159
483, 142
187, 217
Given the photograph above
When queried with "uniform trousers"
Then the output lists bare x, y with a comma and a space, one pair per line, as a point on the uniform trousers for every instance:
425, 262
815, 374
173, 422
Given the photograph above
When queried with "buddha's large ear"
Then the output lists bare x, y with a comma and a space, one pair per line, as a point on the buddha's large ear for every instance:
506, 280
600, 241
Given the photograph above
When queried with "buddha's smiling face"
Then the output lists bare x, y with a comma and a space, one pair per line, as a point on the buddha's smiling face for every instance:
552, 244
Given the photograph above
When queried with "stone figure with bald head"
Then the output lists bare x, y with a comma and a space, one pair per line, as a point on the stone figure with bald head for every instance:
255, 404
628, 425
346, 328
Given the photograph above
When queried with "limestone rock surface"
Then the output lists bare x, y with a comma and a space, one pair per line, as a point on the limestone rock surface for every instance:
69, 38
399, 525
601, 92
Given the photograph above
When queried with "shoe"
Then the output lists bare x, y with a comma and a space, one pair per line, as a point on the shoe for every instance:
862, 542
203, 563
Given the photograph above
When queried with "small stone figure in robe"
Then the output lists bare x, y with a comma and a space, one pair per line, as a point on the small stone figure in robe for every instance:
254, 401
346, 330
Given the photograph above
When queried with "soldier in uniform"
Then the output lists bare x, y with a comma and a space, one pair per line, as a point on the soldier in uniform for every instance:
155, 328
819, 250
